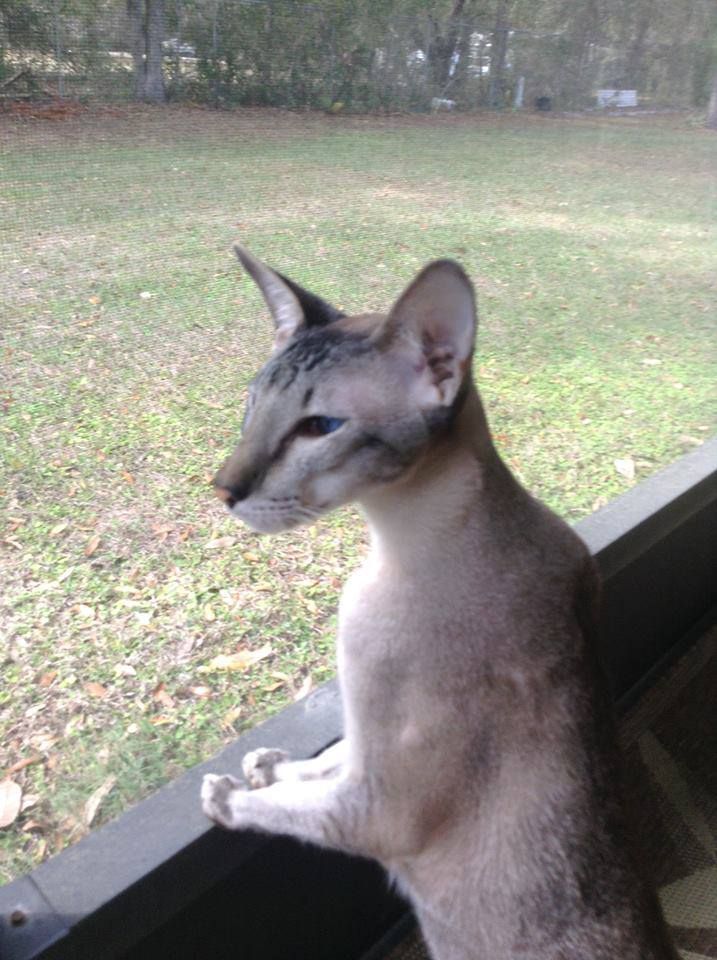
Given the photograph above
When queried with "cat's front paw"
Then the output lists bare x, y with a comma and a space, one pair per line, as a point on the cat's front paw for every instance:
258, 766
219, 799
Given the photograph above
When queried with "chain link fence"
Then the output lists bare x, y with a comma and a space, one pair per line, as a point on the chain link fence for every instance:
330, 56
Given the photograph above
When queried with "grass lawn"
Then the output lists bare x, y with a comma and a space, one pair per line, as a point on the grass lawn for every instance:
128, 336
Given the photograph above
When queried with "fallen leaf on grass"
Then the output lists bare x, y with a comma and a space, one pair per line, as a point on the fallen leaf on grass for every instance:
231, 716
161, 696
95, 799
221, 543
33, 826
626, 467
201, 692
10, 802
125, 670
83, 610
92, 544
95, 689
305, 688
127, 477
40, 849
74, 724
241, 660
161, 532
47, 678
59, 528
21, 764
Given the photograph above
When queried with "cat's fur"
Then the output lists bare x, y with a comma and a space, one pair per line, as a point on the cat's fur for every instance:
479, 759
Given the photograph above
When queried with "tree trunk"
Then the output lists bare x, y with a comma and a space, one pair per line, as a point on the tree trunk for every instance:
147, 24
636, 53
712, 109
443, 45
578, 82
134, 13
498, 54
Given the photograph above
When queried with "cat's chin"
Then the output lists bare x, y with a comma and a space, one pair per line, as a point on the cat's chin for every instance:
270, 522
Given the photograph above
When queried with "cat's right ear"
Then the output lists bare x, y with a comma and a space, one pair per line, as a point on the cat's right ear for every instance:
292, 307
436, 317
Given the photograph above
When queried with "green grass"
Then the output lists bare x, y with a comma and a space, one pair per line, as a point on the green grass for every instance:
592, 247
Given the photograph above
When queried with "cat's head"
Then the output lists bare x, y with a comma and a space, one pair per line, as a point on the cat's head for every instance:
346, 403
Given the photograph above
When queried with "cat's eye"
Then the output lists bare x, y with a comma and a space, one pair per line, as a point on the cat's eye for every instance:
318, 426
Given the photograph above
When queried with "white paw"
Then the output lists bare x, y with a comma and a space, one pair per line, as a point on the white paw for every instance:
258, 766
219, 795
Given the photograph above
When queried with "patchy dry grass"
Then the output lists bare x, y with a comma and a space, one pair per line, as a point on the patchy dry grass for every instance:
129, 336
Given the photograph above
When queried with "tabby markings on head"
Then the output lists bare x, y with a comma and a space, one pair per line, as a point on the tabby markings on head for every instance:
310, 350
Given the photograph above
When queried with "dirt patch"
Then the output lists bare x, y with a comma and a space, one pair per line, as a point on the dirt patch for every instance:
36, 124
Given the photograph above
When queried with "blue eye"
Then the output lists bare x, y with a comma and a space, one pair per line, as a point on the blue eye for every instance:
318, 426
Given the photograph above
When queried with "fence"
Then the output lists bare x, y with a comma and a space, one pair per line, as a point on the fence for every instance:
332, 56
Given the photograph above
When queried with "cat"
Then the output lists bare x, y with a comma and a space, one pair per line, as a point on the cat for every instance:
478, 763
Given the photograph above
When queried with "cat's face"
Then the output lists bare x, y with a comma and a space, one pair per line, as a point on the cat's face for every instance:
342, 405
328, 416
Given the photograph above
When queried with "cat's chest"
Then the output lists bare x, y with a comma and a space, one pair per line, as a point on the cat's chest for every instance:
381, 611
368, 604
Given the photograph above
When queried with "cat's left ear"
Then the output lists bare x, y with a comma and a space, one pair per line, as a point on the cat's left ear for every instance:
436, 315
292, 307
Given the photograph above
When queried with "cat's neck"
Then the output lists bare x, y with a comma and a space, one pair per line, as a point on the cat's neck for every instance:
441, 500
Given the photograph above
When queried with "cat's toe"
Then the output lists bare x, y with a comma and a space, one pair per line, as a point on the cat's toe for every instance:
216, 795
258, 766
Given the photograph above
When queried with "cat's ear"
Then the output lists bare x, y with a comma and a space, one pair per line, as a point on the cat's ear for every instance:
436, 315
291, 306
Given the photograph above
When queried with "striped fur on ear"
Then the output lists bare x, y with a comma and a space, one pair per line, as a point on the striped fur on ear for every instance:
292, 307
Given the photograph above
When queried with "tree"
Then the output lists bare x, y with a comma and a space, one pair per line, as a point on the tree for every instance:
443, 45
147, 25
499, 51
377, 53
712, 109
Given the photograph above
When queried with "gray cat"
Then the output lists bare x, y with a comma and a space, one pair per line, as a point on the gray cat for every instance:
479, 763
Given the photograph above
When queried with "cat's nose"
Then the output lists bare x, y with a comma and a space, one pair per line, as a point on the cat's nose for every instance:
232, 494
237, 476
225, 496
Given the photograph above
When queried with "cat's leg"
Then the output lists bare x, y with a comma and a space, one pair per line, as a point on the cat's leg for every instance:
335, 812
266, 766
